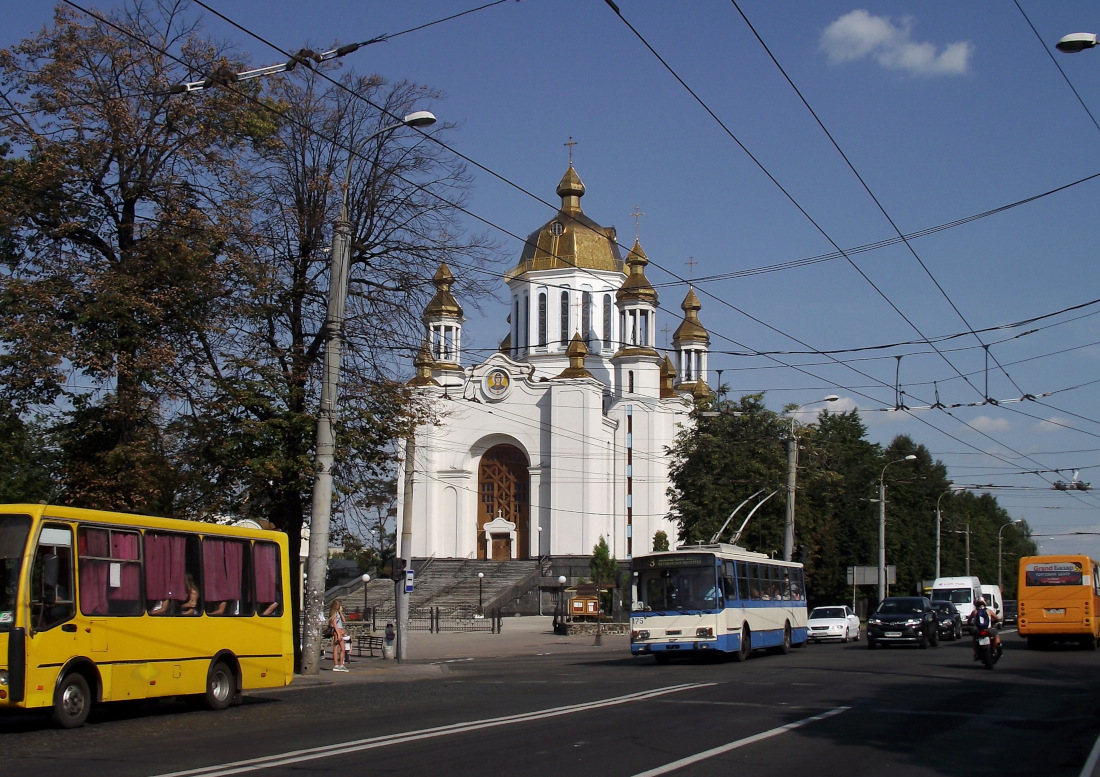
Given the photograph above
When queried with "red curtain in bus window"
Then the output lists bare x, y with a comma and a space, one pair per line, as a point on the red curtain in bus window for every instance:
165, 567
267, 561
124, 546
222, 563
93, 572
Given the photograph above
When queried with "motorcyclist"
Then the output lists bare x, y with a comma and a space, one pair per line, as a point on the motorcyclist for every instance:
986, 618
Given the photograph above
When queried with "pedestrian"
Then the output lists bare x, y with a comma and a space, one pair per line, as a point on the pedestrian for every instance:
336, 621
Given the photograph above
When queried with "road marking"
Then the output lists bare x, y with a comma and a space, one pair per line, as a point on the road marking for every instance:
693, 759
354, 746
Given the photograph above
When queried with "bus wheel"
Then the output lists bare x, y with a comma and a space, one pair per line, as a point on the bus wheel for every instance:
220, 687
785, 647
746, 644
1089, 642
72, 701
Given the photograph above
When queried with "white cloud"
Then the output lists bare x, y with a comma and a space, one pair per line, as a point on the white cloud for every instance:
1053, 424
858, 35
984, 423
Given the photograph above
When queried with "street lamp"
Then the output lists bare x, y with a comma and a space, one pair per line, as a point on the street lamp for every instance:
1075, 42
366, 579
965, 531
480, 578
559, 613
1000, 556
882, 526
321, 507
792, 475
939, 522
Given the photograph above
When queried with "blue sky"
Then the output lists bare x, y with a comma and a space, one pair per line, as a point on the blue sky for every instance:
873, 119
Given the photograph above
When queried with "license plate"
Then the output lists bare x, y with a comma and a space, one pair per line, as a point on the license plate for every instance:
1058, 611
893, 634
983, 641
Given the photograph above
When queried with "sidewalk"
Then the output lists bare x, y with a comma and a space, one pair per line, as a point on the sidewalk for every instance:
428, 655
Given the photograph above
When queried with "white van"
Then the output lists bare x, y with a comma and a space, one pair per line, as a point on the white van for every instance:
993, 598
962, 592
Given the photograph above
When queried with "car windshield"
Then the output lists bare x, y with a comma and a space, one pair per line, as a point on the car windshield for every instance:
955, 595
944, 607
900, 606
827, 612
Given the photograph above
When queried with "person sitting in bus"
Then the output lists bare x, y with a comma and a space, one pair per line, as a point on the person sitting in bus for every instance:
190, 606
269, 609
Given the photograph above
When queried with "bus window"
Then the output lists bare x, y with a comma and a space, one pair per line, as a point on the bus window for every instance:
52, 578
172, 574
13, 542
110, 571
785, 583
729, 580
224, 572
266, 566
755, 591
742, 579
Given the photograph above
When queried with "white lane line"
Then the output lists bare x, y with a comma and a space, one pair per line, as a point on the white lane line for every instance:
354, 746
1090, 762
692, 759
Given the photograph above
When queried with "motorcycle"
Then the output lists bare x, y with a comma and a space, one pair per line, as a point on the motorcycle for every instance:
989, 652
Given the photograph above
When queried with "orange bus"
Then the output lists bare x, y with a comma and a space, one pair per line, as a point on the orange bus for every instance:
100, 606
1058, 599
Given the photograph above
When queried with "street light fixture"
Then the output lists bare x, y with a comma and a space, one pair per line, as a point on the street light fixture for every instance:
1000, 555
321, 507
559, 612
792, 475
480, 578
1075, 42
882, 526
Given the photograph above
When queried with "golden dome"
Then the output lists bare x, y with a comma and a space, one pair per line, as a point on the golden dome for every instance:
443, 304
424, 364
570, 239
690, 329
576, 352
637, 286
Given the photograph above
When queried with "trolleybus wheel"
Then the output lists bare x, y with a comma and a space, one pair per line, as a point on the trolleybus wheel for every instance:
785, 646
746, 644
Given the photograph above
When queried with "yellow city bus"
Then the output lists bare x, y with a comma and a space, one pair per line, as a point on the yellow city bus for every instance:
1058, 599
101, 606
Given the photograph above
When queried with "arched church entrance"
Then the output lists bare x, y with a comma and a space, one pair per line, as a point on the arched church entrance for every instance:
504, 482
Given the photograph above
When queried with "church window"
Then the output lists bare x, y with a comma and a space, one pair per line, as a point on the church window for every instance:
542, 319
643, 328
515, 328
586, 316
606, 320
556, 229
565, 318
630, 381
526, 336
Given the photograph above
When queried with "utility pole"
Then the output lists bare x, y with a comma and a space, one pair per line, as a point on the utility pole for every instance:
792, 478
405, 548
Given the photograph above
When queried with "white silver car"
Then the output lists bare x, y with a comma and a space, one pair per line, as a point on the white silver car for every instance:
836, 622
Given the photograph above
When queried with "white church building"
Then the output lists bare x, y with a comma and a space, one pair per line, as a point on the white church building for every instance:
561, 436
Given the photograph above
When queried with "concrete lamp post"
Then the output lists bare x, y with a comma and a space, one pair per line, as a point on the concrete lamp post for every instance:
366, 579
882, 525
1000, 554
321, 507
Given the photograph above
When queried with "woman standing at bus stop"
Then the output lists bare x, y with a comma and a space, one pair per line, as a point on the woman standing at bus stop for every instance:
336, 621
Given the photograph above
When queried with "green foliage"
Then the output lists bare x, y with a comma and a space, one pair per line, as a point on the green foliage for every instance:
660, 541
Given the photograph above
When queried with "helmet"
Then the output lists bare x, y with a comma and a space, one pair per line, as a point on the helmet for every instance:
981, 602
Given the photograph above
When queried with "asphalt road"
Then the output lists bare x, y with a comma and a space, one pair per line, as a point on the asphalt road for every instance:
554, 710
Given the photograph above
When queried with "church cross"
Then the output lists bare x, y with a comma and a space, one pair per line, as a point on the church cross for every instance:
691, 267
571, 143
637, 214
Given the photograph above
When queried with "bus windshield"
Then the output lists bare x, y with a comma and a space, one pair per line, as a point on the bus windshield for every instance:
677, 588
13, 543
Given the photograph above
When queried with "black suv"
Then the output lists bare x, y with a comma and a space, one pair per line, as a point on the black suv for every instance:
901, 620
951, 622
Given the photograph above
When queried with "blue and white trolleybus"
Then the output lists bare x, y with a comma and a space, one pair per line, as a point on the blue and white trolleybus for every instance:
715, 598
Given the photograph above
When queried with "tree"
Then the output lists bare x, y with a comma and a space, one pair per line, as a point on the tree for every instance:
605, 571
660, 541
121, 219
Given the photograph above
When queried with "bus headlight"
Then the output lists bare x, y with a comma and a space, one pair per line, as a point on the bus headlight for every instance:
641, 634
3, 678
705, 632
